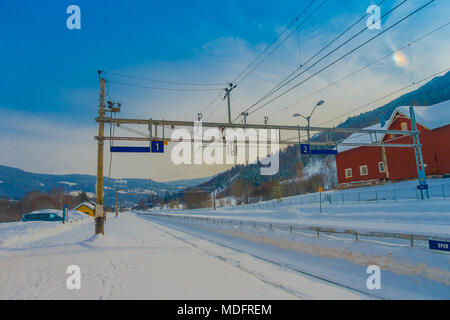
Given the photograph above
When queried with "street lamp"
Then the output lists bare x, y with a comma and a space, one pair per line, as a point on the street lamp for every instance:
308, 119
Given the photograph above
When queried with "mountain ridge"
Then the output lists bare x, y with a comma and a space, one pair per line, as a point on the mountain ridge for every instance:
16, 182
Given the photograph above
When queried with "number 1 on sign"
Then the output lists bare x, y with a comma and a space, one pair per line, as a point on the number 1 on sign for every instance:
158, 146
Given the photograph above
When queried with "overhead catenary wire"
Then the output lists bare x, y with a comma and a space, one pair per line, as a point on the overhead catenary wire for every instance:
273, 42
163, 88
215, 110
211, 103
302, 65
131, 130
291, 76
237, 80
388, 95
343, 56
380, 98
284, 40
179, 83
362, 68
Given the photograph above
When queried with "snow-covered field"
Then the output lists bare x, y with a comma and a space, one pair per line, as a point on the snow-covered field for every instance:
15, 233
148, 256
413, 272
404, 215
430, 217
407, 273
144, 260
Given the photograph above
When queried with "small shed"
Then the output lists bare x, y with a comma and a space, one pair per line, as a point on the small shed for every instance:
87, 207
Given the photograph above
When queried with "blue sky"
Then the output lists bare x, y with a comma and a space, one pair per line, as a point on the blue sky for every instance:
49, 86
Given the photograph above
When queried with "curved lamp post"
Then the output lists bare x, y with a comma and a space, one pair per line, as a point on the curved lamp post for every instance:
308, 118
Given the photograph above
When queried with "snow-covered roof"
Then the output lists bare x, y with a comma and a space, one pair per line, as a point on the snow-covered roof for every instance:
430, 117
363, 137
90, 205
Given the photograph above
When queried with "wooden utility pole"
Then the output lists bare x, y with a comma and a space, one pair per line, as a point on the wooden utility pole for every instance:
99, 211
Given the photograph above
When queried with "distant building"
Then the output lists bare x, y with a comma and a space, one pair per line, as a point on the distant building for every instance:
364, 166
86, 207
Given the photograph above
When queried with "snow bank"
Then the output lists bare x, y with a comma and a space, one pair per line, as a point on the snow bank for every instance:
14, 233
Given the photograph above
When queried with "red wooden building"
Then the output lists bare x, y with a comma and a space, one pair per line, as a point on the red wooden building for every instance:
363, 166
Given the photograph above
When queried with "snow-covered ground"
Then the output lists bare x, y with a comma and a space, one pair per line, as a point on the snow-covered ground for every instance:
145, 256
407, 273
413, 272
15, 233
403, 215
143, 260
430, 217
439, 189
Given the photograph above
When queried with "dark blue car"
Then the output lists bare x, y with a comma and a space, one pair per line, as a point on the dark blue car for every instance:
41, 216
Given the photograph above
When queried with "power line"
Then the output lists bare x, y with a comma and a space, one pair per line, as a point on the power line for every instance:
361, 69
212, 102
342, 57
386, 96
288, 36
131, 130
273, 41
282, 83
286, 81
261, 53
163, 81
214, 111
163, 88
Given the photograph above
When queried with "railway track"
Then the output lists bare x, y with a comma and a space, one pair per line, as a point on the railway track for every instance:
296, 294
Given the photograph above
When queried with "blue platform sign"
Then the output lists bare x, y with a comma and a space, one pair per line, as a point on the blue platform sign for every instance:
439, 245
65, 213
158, 146
130, 149
304, 148
324, 151
422, 187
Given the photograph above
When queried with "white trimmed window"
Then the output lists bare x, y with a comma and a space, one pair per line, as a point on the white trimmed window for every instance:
363, 170
381, 167
348, 173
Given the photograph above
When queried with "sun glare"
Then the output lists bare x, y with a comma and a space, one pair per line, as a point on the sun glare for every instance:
400, 59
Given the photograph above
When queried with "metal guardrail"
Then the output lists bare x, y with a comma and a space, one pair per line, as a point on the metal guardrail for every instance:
410, 237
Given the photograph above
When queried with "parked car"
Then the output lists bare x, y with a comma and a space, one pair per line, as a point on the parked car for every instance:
42, 216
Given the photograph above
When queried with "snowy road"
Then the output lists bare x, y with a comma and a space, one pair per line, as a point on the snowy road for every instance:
138, 259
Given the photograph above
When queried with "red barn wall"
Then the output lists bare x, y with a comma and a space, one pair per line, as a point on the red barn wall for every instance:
441, 138
401, 162
354, 158
435, 150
